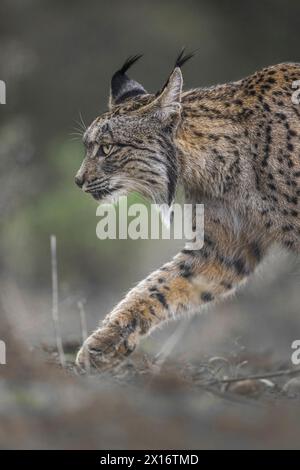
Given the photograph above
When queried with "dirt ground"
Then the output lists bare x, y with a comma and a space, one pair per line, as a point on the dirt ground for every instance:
151, 402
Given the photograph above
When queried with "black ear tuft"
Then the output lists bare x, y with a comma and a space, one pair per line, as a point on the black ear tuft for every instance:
122, 87
182, 58
129, 62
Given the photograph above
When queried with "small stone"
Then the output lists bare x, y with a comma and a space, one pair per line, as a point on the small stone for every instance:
247, 387
292, 387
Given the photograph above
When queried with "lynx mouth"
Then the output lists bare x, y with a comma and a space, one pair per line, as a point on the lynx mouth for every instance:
97, 191
107, 194
100, 194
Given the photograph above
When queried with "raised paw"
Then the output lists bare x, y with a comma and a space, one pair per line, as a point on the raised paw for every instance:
106, 348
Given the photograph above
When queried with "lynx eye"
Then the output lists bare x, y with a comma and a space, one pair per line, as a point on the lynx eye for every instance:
105, 149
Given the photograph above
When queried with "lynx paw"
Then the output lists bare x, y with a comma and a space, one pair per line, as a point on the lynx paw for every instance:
106, 348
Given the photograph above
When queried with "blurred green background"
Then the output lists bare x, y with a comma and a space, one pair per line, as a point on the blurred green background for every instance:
57, 58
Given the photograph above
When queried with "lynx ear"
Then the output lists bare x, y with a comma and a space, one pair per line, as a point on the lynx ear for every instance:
170, 97
122, 87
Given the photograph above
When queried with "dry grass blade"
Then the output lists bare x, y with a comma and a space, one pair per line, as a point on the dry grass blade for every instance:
171, 342
84, 333
58, 338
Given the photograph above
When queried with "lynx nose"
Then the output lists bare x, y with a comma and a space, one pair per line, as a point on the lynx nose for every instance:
79, 180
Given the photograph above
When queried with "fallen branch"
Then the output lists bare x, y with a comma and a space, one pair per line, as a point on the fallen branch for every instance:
266, 375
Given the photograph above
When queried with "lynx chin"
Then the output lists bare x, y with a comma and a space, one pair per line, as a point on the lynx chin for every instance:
234, 148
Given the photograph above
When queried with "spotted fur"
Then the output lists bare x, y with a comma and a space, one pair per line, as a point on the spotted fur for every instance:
234, 147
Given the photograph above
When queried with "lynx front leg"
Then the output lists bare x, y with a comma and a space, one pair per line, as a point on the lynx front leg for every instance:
192, 279
153, 301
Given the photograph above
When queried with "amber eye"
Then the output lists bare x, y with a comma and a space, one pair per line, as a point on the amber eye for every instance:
106, 149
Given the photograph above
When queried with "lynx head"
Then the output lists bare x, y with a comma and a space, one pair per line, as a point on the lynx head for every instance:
130, 147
